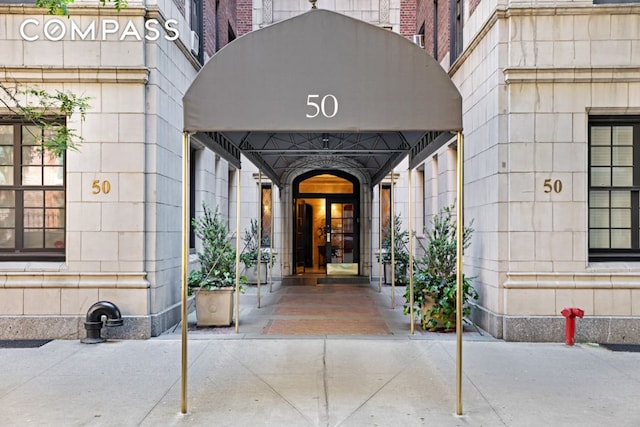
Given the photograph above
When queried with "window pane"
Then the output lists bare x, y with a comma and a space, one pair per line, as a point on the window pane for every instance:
600, 135
621, 199
7, 238
622, 177
620, 218
599, 238
599, 218
6, 135
601, 177
31, 175
33, 199
622, 156
31, 155
33, 239
33, 218
599, 199
7, 198
6, 155
51, 159
54, 218
7, 218
54, 239
54, 199
6, 175
31, 135
53, 175
623, 135
621, 239
601, 156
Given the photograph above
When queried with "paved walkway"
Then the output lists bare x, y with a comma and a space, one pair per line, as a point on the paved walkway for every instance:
258, 379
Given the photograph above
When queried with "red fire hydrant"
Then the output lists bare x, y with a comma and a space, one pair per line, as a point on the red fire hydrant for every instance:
571, 314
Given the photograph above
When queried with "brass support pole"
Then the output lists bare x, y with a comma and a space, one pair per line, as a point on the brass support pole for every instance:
459, 273
271, 234
184, 267
237, 292
381, 271
411, 297
393, 242
259, 230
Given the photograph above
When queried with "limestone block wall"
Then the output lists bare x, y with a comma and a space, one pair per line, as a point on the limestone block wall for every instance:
535, 79
124, 185
104, 180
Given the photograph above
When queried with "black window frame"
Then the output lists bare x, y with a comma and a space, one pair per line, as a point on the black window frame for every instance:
615, 254
19, 252
455, 29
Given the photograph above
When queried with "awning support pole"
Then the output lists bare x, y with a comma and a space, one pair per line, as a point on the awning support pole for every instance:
184, 267
259, 259
459, 273
271, 235
380, 260
393, 242
411, 296
237, 292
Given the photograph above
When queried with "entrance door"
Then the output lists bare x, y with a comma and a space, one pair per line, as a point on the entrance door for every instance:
325, 223
302, 236
342, 254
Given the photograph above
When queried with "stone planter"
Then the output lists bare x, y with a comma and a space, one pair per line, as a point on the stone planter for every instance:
439, 322
214, 307
252, 273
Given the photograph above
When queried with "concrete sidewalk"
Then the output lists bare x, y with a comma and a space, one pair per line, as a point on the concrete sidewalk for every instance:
318, 382
251, 379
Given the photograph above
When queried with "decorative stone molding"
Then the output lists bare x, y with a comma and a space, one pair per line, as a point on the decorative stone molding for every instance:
74, 75
384, 12
267, 12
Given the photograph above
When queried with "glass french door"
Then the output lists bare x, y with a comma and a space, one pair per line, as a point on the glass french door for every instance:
342, 253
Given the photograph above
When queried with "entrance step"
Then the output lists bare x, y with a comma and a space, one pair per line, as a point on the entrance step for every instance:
299, 281
343, 280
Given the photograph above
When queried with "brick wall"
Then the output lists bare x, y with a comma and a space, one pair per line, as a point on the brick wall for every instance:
408, 18
425, 16
244, 20
228, 13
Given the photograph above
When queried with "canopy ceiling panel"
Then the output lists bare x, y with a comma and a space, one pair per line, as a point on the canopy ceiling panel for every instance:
321, 83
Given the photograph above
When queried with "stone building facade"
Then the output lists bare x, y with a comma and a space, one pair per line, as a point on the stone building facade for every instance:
551, 103
120, 205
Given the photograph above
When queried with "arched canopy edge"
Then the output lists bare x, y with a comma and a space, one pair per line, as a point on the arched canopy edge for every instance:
322, 82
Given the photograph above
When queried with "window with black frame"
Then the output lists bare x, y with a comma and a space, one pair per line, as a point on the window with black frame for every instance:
32, 195
614, 185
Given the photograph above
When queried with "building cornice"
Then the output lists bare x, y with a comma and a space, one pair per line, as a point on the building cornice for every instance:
75, 74
502, 12
74, 10
616, 74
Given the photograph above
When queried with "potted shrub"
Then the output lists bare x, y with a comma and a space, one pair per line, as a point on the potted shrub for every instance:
434, 278
401, 255
249, 255
214, 282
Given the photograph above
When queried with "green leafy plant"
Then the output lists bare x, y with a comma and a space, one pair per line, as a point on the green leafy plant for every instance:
60, 7
401, 250
434, 277
50, 113
218, 255
249, 254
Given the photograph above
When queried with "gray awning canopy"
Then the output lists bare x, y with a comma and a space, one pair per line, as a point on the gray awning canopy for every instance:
321, 84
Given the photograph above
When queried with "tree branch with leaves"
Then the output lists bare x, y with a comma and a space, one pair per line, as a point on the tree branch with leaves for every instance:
60, 7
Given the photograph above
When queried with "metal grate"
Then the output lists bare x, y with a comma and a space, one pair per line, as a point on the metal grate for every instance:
632, 348
23, 343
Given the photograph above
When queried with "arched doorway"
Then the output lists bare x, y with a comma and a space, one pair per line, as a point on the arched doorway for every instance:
326, 226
